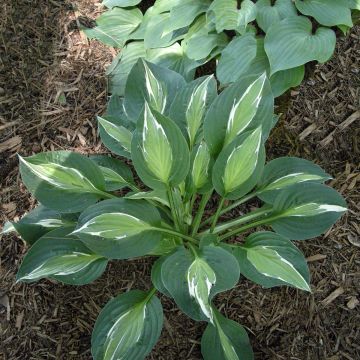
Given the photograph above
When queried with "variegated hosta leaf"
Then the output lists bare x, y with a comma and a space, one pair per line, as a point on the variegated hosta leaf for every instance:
269, 14
201, 166
244, 110
196, 108
38, 222
120, 3
63, 181
114, 27
242, 162
200, 279
225, 340
268, 262
114, 226
290, 43
60, 256
128, 327
120, 228
270, 259
59, 176
150, 83
286, 171
156, 195
156, 148
159, 152
119, 133
117, 174
306, 210
246, 91
326, 12
155, 90
190, 105
203, 277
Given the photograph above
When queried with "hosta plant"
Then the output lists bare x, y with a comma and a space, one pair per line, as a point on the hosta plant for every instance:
186, 143
248, 36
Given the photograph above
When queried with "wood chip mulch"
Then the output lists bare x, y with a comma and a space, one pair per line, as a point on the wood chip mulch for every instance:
51, 87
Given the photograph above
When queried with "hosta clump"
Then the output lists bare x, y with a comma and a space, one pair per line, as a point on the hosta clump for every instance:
248, 36
186, 143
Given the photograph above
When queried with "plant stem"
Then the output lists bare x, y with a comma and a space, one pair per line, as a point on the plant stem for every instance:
196, 223
173, 210
217, 214
246, 227
230, 224
178, 234
230, 207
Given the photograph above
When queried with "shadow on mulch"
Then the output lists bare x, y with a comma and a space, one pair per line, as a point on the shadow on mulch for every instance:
51, 87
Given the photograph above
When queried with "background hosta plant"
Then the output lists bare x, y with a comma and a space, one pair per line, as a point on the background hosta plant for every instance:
249, 36
186, 143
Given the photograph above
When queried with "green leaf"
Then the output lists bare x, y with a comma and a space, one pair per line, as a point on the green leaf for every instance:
120, 3
190, 105
128, 327
290, 43
268, 14
224, 14
306, 210
120, 228
115, 26
59, 255
238, 109
156, 278
200, 46
230, 63
117, 175
121, 66
62, 180
188, 278
153, 84
247, 14
159, 151
326, 12
225, 340
38, 222
286, 171
239, 165
270, 259
183, 14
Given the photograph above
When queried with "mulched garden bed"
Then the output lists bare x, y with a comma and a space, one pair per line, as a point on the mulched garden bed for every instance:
51, 87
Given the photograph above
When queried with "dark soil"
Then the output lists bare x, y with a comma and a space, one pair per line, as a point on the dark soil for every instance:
51, 87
